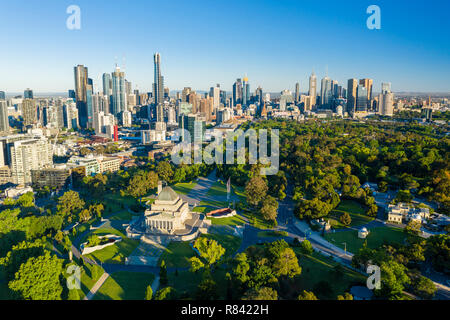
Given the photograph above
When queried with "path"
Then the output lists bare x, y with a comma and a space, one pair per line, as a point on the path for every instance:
96, 286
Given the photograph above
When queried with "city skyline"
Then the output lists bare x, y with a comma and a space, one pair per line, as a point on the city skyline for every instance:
414, 57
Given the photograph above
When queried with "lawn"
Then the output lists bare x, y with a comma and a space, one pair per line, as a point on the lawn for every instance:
184, 187
89, 276
214, 204
236, 220
256, 220
125, 286
272, 234
354, 209
177, 255
219, 188
115, 253
376, 238
122, 215
317, 268
185, 283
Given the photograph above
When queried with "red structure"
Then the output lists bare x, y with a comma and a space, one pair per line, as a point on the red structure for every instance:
116, 133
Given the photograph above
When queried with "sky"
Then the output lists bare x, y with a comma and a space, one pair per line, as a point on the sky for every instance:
202, 43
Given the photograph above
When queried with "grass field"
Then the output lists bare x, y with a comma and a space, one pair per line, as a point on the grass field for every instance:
256, 220
122, 215
177, 255
317, 268
184, 188
376, 238
115, 253
236, 220
219, 188
354, 209
125, 286
272, 234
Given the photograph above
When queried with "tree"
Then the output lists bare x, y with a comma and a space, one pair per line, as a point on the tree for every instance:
393, 279
287, 264
306, 247
163, 279
167, 293
69, 204
164, 170
404, 196
313, 209
142, 183
263, 293
424, 287
345, 219
73, 295
149, 293
209, 250
207, 290
85, 215
241, 267
307, 295
269, 208
256, 190
39, 278
413, 227
345, 296
438, 251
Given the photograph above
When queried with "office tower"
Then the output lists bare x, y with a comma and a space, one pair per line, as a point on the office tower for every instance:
184, 94
334, 89
128, 87
29, 112
195, 125
4, 122
206, 108
81, 82
237, 92
313, 88
386, 100
72, 94
106, 84
158, 85
192, 99
126, 118
325, 92
352, 86
2, 95
367, 83
118, 92
297, 92
28, 94
259, 95
362, 102
23, 153
385, 87
89, 102
214, 93
245, 91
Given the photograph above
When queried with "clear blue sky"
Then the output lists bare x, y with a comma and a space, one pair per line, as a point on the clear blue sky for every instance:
276, 43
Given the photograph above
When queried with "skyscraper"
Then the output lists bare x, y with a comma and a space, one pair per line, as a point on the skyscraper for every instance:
4, 123
214, 93
158, 85
237, 92
352, 86
28, 94
106, 84
325, 92
245, 92
362, 102
386, 100
385, 87
297, 92
118, 92
2, 95
81, 81
367, 83
313, 88
29, 112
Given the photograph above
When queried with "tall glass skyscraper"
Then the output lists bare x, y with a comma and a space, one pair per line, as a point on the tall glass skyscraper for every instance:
245, 92
361, 99
118, 92
326, 92
28, 94
158, 85
106, 84
313, 88
81, 82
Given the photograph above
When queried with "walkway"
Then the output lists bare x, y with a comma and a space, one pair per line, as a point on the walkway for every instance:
96, 286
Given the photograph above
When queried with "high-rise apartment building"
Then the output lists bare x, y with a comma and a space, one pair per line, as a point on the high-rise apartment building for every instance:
119, 101
313, 88
81, 82
352, 86
4, 122
297, 93
29, 112
325, 92
158, 85
237, 92
28, 94
245, 91
107, 84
